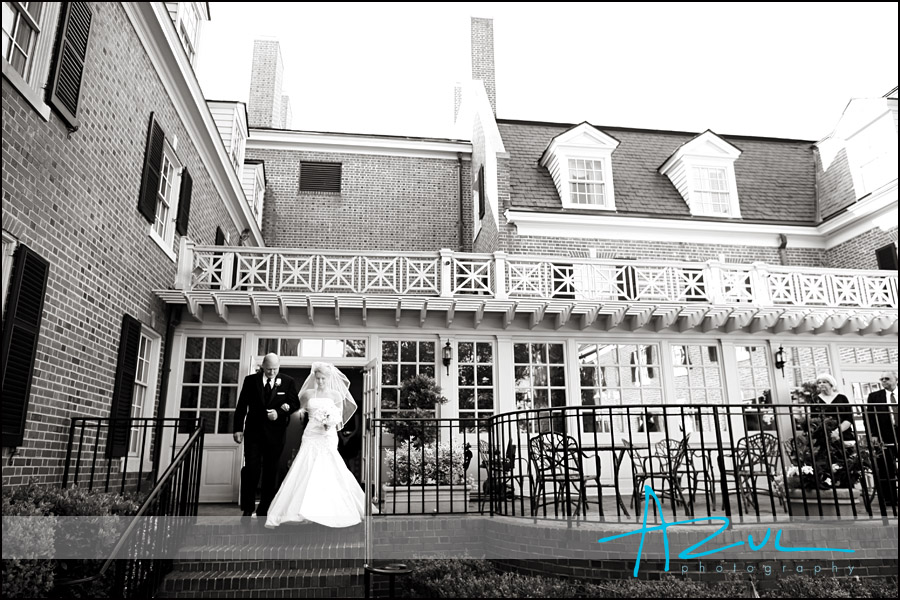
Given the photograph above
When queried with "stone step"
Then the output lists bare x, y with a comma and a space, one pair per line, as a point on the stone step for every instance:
268, 582
296, 550
225, 564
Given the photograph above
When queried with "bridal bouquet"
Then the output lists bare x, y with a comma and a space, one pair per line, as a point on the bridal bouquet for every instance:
327, 417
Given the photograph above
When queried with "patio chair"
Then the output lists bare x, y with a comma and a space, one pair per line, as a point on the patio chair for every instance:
555, 460
665, 467
758, 461
504, 473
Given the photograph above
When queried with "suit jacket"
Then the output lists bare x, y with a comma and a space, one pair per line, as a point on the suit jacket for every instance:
878, 418
253, 404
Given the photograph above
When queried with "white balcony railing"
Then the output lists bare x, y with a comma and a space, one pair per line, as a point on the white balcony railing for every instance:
503, 276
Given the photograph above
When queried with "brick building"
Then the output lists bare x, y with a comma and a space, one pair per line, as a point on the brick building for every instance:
111, 158
556, 264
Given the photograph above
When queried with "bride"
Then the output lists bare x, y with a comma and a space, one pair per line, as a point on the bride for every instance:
318, 486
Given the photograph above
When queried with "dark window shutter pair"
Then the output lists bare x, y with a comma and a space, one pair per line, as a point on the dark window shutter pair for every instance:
320, 177
479, 185
25, 308
123, 388
64, 91
153, 157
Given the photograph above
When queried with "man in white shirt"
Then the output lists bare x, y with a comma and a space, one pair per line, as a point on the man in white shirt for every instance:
882, 423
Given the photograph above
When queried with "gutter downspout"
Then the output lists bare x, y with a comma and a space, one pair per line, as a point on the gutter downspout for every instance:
460, 170
173, 319
782, 249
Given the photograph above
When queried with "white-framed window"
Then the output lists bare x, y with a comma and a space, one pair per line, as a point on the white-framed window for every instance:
587, 184
188, 28
540, 382
29, 29
9, 251
475, 382
756, 387
400, 360
212, 376
580, 162
698, 380
142, 402
710, 194
167, 195
312, 347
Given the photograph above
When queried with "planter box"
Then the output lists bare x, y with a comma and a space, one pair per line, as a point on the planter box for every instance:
829, 505
425, 499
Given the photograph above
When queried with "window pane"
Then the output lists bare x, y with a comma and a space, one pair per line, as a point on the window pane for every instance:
233, 348
213, 348
290, 346
194, 348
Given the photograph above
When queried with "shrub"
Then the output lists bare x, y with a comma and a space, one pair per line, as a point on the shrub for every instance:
36, 578
440, 464
805, 586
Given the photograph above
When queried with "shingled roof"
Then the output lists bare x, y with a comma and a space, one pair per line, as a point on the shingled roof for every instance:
776, 179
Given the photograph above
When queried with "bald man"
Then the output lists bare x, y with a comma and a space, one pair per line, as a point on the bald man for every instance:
267, 400
883, 424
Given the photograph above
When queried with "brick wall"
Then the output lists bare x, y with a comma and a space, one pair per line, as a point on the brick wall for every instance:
551, 547
386, 203
859, 253
649, 250
73, 199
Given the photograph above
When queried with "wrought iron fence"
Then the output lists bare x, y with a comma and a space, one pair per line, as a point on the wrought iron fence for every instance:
109, 453
746, 462
157, 529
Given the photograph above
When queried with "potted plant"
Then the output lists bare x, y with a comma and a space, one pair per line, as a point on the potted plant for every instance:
824, 465
423, 474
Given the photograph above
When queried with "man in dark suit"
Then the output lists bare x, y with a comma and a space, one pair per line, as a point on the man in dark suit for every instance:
882, 424
267, 400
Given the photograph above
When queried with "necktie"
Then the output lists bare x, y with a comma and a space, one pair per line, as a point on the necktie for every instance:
268, 385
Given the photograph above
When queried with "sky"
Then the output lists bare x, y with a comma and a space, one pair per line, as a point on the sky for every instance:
783, 70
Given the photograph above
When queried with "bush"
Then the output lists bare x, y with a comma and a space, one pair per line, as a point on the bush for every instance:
800, 586
430, 464
36, 578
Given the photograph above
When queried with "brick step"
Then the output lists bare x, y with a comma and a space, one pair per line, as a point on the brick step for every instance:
294, 550
226, 565
286, 535
264, 583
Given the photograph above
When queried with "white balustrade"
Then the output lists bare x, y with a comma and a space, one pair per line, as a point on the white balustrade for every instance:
501, 275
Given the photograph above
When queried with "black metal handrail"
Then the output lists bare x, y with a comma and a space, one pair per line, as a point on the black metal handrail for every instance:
176, 494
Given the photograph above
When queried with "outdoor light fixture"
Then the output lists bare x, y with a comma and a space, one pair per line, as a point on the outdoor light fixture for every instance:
447, 356
779, 359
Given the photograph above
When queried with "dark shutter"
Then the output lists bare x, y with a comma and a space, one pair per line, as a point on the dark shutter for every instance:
64, 91
479, 185
184, 203
123, 388
153, 156
25, 308
320, 177
887, 257
220, 236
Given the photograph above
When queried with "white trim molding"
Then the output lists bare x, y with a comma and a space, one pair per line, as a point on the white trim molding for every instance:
153, 26
308, 141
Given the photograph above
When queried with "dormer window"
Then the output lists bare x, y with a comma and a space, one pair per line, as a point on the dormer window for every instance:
580, 162
187, 17
703, 172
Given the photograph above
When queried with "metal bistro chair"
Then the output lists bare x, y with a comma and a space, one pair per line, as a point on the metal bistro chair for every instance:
758, 461
555, 460
503, 473
667, 467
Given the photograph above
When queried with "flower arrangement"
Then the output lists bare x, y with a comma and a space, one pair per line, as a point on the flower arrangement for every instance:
327, 417
429, 464
822, 459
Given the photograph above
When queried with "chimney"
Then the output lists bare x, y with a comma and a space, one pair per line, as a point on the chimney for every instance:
483, 57
457, 100
265, 85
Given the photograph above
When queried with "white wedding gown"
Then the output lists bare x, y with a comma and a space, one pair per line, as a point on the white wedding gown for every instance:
318, 486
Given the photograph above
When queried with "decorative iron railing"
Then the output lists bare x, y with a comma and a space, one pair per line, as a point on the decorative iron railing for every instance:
504, 276
142, 556
765, 462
